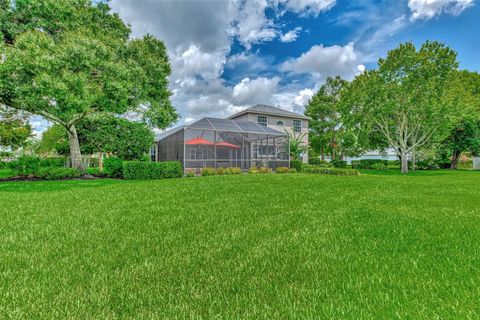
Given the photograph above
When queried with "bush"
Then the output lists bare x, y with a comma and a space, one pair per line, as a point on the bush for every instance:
264, 170
113, 167
368, 163
189, 173
234, 170
281, 170
339, 163
208, 172
427, 164
292, 170
379, 166
253, 170
222, 171
3, 165
297, 164
57, 162
331, 171
25, 166
55, 173
140, 170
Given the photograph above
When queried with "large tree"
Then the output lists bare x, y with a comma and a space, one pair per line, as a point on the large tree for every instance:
404, 99
68, 59
328, 132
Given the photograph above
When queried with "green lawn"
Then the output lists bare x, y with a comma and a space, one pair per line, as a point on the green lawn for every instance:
377, 246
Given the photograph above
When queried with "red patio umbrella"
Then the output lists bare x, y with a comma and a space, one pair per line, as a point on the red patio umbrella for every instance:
199, 141
227, 145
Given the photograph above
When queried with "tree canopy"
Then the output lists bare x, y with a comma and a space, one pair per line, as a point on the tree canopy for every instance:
14, 129
404, 98
68, 59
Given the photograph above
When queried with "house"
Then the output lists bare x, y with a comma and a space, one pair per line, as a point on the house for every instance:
277, 119
212, 142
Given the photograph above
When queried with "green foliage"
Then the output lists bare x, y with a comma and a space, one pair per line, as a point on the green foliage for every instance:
14, 129
81, 60
339, 163
330, 171
234, 170
281, 170
296, 164
113, 167
464, 137
318, 162
328, 132
58, 162
264, 170
253, 170
379, 166
222, 171
296, 145
427, 164
368, 163
208, 172
140, 170
25, 166
292, 170
54, 140
189, 173
55, 173
404, 99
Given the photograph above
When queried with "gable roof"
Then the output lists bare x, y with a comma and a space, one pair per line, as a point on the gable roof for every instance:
223, 125
269, 110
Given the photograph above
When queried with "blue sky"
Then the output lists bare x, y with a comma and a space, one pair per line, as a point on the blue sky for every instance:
228, 55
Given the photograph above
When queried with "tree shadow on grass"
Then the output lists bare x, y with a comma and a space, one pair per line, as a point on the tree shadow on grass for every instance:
48, 186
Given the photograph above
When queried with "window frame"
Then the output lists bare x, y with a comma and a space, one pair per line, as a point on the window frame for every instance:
280, 123
266, 120
299, 125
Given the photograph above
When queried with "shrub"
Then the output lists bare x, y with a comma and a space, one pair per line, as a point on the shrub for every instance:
331, 171
55, 173
379, 166
58, 162
297, 164
427, 164
292, 170
264, 170
25, 166
140, 170
208, 172
253, 170
113, 167
189, 173
339, 163
222, 171
235, 170
367, 163
3, 165
281, 170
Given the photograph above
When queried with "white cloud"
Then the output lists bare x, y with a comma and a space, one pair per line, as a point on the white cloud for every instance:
255, 91
308, 7
427, 9
193, 62
325, 61
291, 35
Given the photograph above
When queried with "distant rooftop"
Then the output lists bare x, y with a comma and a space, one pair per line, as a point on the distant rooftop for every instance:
269, 110
224, 125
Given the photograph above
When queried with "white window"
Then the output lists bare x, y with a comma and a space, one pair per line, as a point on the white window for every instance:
153, 150
262, 120
297, 125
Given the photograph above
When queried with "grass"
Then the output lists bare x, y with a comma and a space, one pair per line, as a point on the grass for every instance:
295, 246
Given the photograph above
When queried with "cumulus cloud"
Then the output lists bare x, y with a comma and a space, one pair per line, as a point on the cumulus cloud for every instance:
291, 35
325, 61
254, 91
307, 7
427, 9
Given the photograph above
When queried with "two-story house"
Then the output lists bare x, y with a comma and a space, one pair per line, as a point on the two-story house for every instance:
277, 119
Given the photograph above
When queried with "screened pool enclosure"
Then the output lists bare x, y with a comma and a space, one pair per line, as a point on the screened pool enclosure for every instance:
217, 143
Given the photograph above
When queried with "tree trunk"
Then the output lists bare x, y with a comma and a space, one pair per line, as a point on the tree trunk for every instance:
100, 161
75, 154
404, 162
413, 160
455, 156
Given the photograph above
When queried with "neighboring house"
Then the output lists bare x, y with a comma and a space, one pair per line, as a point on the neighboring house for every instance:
278, 119
212, 142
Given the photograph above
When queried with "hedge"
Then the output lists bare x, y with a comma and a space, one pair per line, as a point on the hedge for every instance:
297, 164
330, 171
113, 167
55, 173
339, 163
139, 170
367, 163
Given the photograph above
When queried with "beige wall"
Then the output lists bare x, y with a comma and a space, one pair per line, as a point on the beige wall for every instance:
288, 126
